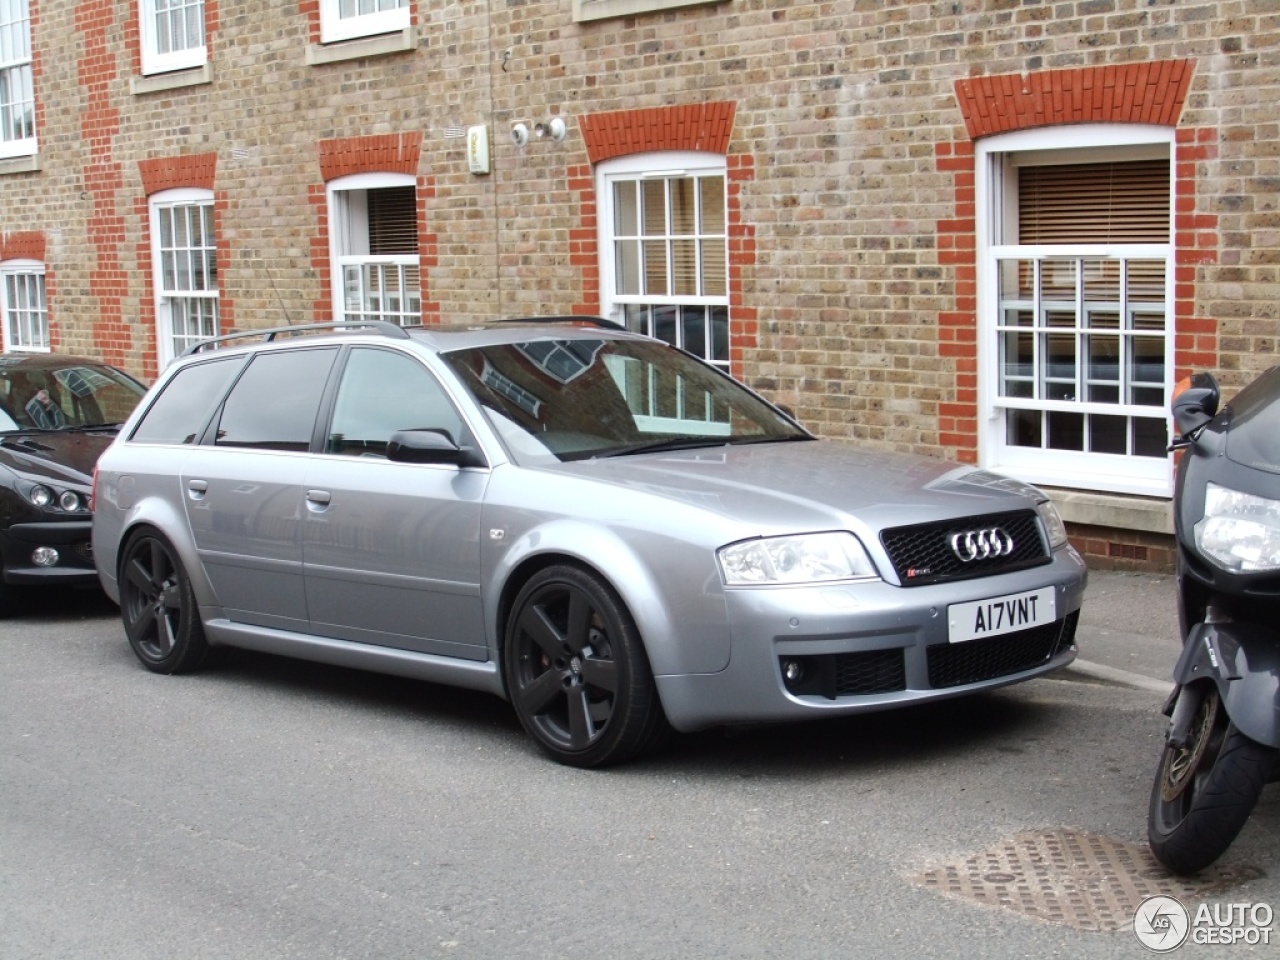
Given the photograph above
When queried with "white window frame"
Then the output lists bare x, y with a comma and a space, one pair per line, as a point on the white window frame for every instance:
656, 165
14, 338
349, 238
334, 27
996, 158
153, 61
15, 62
169, 344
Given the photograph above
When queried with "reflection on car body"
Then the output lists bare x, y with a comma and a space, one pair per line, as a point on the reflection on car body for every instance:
614, 535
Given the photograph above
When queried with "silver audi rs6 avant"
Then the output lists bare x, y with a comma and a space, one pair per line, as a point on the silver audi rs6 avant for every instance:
607, 531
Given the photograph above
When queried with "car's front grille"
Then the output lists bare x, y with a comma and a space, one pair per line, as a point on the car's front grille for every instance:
973, 661
848, 674
965, 547
84, 550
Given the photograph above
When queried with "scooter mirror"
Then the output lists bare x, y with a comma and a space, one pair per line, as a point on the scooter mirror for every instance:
1195, 403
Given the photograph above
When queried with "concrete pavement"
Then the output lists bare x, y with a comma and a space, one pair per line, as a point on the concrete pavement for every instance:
1128, 632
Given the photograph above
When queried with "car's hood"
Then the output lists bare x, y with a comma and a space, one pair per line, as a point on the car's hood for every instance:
813, 484
62, 456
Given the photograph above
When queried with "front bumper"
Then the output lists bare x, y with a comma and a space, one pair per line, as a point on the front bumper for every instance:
70, 538
870, 646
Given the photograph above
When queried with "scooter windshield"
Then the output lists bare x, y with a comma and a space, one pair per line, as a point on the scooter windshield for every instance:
1253, 437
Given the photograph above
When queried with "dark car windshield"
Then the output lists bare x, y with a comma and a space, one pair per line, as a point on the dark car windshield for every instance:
576, 398
72, 395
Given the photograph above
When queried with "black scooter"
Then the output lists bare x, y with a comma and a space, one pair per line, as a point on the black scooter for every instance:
1223, 742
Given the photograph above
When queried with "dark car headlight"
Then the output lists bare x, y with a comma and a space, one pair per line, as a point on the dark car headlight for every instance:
45, 497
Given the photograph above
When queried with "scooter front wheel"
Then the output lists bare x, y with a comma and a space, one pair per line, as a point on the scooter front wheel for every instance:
1205, 790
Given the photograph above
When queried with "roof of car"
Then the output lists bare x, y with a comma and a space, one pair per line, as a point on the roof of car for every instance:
46, 361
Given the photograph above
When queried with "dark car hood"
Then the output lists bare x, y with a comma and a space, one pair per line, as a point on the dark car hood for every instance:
64, 456
813, 483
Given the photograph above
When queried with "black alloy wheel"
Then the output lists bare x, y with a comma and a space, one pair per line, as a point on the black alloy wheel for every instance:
158, 606
1203, 792
577, 673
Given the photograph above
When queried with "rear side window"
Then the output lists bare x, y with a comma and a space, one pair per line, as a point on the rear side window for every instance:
273, 405
186, 403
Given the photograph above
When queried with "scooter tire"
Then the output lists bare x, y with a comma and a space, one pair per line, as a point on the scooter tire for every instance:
1194, 828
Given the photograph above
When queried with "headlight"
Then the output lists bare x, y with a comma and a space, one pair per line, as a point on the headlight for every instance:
1053, 525
805, 558
1239, 531
40, 495
69, 501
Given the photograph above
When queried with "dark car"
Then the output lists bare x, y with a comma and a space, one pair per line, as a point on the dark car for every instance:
57, 414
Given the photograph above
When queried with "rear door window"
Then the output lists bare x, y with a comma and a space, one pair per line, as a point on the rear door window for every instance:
273, 406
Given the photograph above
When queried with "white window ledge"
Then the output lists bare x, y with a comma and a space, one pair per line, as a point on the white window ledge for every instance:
586, 10
28, 164
158, 82
378, 46
1149, 514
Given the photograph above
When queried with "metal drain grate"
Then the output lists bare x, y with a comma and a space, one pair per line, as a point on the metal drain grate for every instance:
1074, 879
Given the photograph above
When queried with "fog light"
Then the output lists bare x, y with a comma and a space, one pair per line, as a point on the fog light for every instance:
44, 556
793, 671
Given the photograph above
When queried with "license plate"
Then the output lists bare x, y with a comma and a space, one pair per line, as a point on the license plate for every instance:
1007, 614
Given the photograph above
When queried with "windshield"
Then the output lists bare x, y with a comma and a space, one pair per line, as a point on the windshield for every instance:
76, 395
572, 399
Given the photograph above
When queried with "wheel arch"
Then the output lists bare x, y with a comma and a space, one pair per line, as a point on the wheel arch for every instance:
626, 574
169, 523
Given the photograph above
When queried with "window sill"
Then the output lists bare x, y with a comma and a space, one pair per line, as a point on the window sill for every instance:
1148, 514
159, 82
398, 42
585, 11
29, 164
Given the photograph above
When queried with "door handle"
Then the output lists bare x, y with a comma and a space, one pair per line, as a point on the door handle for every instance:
196, 489
320, 498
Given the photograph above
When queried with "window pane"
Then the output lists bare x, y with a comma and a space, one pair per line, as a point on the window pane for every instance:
655, 267
1066, 430
1107, 434
187, 402
1023, 428
715, 281
626, 211
712, 193
655, 206
383, 392
627, 267
1150, 437
693, 322
274, 404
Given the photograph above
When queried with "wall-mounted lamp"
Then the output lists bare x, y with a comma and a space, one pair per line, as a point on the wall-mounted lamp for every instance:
519, 134
554, 129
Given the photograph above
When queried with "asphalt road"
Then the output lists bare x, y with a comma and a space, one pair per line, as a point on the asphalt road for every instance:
272, 809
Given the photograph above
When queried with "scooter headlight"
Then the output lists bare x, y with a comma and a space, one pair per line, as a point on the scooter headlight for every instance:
1239, 531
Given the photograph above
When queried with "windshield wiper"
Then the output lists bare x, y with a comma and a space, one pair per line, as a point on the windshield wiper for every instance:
90, 427
789, 438
671, 443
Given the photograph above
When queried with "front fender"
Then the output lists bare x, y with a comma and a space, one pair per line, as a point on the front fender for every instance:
1243, 661
676, 601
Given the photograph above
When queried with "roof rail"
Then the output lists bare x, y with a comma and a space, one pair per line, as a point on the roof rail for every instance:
568, 318
384, 327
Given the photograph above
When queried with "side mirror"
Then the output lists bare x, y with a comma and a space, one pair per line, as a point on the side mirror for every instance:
429, 446
1195, 403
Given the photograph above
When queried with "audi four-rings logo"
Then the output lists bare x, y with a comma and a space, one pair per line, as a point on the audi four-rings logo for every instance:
974, 545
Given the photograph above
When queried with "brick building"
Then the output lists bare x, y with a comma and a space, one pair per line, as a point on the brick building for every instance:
995, 230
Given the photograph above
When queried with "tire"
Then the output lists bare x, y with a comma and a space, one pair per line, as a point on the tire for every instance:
1203, 793
158, 606
577, 673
